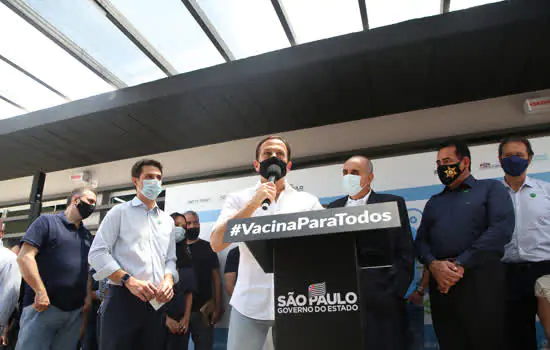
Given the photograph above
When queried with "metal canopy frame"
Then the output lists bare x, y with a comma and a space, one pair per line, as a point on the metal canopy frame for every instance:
7, 100
364, 16
33, 77
132, 33
445, 6
280, 10
135, 37
208, 28
28, 14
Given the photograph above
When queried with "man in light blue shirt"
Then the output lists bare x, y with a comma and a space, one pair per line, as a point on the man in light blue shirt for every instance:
135, 248
10, 282
527, 255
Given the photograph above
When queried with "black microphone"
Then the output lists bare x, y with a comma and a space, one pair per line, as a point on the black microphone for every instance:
274, 173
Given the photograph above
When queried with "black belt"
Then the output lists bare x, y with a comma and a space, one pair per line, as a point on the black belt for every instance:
525, 265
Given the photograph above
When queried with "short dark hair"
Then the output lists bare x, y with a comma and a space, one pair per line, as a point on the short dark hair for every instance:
79, 192
273, 137
462, 149
138, 166
176, 214
191, 212
516, 139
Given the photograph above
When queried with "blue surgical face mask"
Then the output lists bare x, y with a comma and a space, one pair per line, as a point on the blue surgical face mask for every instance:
151, 189
180, 234
514, 165
351, 184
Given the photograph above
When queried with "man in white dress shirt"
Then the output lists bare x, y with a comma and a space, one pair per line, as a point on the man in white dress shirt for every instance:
253, 312
135, 248
527, 256
10, 283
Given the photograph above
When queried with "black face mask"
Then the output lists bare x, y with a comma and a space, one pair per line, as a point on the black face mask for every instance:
85, 209
448, 173
192, 233
264, 166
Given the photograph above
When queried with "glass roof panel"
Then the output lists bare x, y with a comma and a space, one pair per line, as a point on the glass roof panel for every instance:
170, 28
8, 110
319, 19
464, 4
248, 27
24, 91
44, 59
87, 25
386, 12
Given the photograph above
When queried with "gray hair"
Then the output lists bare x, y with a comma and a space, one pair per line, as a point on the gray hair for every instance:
370, 166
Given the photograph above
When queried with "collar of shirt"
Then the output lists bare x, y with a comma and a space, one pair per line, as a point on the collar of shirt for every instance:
69, 224
357, 202
469, 182
136, 202
527, 183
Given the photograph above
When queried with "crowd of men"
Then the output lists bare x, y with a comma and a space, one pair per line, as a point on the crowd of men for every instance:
147, 281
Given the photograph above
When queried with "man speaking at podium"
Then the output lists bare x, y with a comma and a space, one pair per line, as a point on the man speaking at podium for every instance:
253, 301
386, 259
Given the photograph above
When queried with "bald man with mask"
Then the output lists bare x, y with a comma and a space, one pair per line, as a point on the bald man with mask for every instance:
385, 257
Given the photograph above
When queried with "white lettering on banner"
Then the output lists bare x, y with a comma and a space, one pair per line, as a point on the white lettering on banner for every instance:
340, 219
319, 301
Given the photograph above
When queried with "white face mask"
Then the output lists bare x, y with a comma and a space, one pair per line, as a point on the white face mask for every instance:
151, 189
351, 184
179, 233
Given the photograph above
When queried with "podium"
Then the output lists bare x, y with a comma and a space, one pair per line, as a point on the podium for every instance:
313, 258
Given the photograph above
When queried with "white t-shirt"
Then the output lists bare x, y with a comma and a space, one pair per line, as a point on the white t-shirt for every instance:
254, 294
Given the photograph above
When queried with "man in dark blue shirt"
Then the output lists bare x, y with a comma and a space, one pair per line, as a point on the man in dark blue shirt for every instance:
461, 240
54, 264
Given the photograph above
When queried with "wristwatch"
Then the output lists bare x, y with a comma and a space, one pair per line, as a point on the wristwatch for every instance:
421, 290
125, 279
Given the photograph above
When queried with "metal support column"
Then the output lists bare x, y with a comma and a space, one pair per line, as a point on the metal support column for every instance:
35, 199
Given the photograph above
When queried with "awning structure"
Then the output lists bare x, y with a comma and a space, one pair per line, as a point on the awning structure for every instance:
109, 80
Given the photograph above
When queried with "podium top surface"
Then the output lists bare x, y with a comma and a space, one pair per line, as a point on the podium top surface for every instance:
317, 222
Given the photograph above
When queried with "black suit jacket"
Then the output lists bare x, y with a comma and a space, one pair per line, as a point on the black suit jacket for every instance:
385, 247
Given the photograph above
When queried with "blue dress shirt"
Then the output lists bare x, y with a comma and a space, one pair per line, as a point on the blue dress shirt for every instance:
476, 217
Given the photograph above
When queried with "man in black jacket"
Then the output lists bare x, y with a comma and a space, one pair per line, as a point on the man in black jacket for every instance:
386, 260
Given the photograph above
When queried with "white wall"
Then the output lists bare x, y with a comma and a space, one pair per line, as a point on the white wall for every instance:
488, 115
